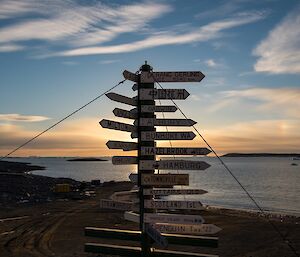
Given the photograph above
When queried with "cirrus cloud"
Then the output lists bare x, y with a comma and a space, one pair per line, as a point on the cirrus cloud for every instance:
20, 117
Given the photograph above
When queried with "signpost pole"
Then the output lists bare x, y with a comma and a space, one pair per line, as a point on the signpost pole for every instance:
146, 240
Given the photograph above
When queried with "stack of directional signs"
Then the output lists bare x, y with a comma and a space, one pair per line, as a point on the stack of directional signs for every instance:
157, 222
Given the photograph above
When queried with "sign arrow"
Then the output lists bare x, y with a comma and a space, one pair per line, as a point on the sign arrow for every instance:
125, 146
135, 87
165, 179
174, 151
165, 122
117, 125
152, 94
124, 114
124, 160
203, 229
184, 135
173, 205
173, 218
167, 191
122, 99
172, 76
125, 196
130, 76
174, 165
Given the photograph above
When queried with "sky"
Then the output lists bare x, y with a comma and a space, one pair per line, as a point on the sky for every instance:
55, 56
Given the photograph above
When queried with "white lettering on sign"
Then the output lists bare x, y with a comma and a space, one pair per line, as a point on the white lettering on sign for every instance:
116, 205
173, 165
165, 179
160, 108
117, 125
172, 218
149, 136
203, 229
174, 151
167, 191
160, 204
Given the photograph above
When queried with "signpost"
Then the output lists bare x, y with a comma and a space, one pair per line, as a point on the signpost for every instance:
173, 205
174, 165
165, 122
122, 99
172, 76
117, 125
126, 146
173, 218
174, 151
123, 160
175, 94
203, 229
167, 191
124, 114
143, 200
165, 179
186, 135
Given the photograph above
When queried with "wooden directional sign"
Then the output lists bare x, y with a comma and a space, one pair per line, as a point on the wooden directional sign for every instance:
116, 205
126, 146
167, 191
173, 218
130, 76
125, 196
124, 160
158, 108
156, 236
173, 165
173, 205
117, 125
184, 135
124, 114
174, 151
172, 76
165, 179
165, 122
131, 216
152, 94
203, 229
122, 99
133, 177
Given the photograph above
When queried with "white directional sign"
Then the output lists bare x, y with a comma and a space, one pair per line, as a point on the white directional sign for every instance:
123, 160
130, 76
172, 76
122, 99
184, 135
125, 196
203, 229
173, 205
167, 191
117, 125
158, 108
117, 205
173, 165
131, 216
165, 122
124, 114
126, 146
174, 151
165, 179
156, 236
172, 218
133, 178
152, 94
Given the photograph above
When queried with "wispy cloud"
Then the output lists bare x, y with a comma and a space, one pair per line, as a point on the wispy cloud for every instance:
75, 24
204, 33
282, 101
19, 117
109, 61
279, 52
211, 63
5, 48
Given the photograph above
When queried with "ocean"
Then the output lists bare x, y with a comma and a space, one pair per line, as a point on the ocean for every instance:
272, 181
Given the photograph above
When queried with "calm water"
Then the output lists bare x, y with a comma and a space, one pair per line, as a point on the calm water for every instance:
273, 182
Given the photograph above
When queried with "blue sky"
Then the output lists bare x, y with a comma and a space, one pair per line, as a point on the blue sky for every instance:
57, 55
